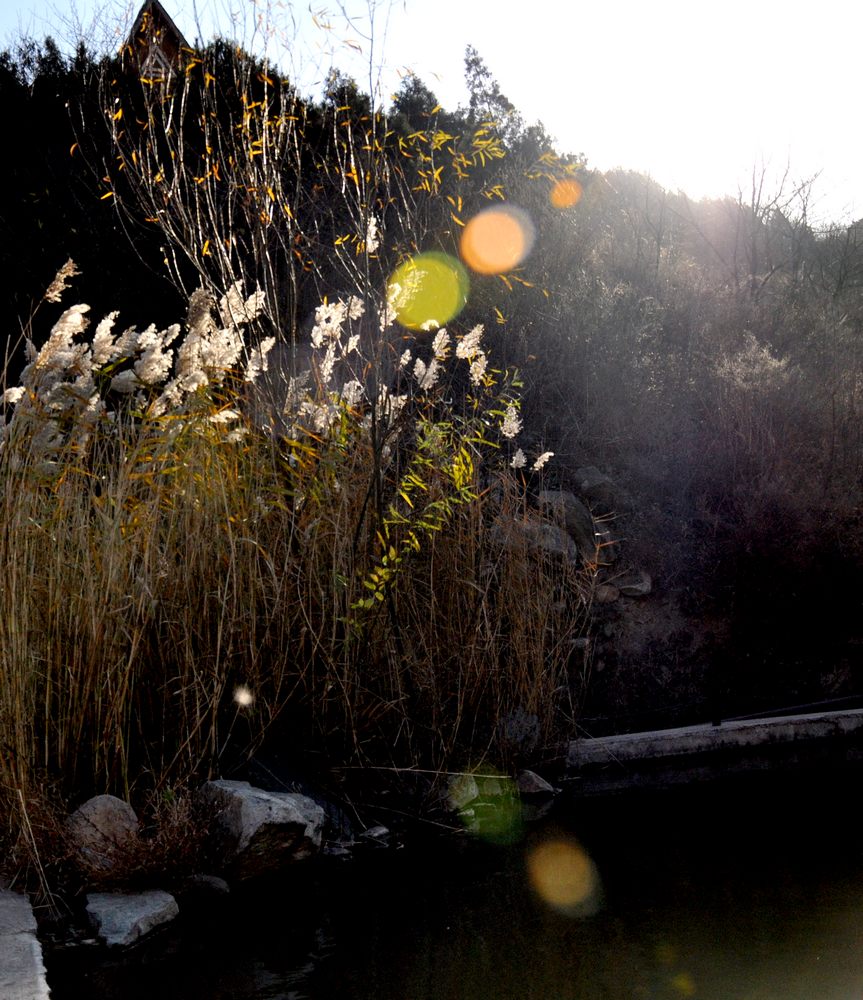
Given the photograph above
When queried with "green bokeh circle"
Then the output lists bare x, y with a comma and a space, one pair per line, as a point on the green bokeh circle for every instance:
428, 290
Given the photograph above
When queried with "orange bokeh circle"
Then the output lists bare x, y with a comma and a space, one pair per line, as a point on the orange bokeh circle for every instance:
566, 193
497, 239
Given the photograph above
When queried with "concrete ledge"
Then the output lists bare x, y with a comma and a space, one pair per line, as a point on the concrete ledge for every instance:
673, 756
22, 972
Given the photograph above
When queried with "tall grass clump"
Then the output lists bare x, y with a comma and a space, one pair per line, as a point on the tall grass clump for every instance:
192, 564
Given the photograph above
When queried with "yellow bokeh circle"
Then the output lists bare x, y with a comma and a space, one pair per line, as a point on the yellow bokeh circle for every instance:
497, 239
428, 290
563, 876
566, 193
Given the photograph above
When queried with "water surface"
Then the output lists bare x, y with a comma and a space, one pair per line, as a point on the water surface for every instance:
747, 891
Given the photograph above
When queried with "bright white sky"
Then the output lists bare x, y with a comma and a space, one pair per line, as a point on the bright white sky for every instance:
693, 92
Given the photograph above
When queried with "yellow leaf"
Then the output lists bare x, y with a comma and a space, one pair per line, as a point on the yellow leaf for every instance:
456, 219
501, 319
205, 250
435, 109
110, 194
72, 148
118, 115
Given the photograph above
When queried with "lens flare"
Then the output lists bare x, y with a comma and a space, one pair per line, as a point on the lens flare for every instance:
566, 193
497, 240
428, 290
489, 806
683, 984
564, 877
243, 696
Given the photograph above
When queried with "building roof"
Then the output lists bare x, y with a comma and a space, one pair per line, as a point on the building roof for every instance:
155, 40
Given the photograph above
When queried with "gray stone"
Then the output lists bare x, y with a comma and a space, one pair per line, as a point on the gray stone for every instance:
102, 829
462, 789
258, 832
121, 919
606, 593
534, 536
595, 486
489, 788
635, 584
530, 783
568, 511
16, 914
201, 889
22, 973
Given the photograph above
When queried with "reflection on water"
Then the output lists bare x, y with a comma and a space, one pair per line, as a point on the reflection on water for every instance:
719, 894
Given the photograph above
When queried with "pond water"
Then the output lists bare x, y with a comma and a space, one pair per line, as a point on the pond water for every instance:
748, 891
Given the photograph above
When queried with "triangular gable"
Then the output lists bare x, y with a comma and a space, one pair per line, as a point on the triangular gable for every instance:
155, 43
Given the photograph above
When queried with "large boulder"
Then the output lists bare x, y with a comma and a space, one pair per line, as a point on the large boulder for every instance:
536, 536
258, 832
102, 831
120, 919
568, 511
596, 487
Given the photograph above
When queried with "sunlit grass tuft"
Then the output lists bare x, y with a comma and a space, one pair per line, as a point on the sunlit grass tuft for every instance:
180, 582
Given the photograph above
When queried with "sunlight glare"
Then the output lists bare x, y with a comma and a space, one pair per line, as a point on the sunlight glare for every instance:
497, 239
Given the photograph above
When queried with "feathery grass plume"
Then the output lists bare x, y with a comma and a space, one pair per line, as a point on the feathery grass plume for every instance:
61, 281
511, 424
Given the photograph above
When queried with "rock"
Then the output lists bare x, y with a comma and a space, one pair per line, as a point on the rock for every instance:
490, 788
274, 773
22, 972
606, 593
379, 835
462, 789
102, 830
203, 890
530, 783
635, 584
535, 536
121, 919
258, 832
596, 487
569, 511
